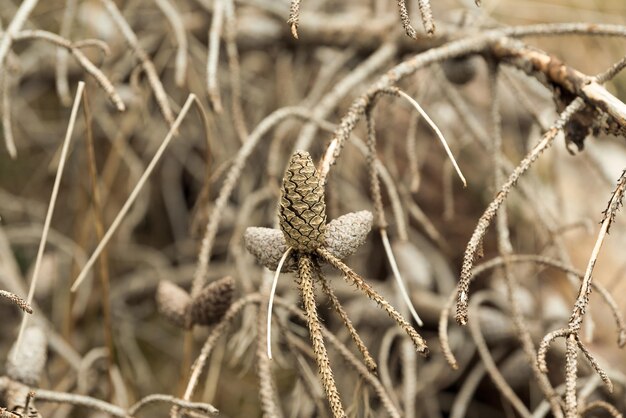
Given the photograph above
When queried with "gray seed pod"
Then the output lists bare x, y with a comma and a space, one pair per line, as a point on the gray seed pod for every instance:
268, 246
173, 303
344, 236
211, 304
347, 233
27, 365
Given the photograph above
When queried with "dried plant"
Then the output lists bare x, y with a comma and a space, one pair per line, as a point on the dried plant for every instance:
110, 233
303, 225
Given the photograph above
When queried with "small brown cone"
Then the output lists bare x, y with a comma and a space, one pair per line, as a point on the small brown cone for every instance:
213, 301
173, 303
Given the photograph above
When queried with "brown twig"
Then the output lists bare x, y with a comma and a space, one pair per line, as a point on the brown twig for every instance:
15, 26
146, 63
84, 62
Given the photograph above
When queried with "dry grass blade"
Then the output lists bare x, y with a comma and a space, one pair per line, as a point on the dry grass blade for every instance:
267, 388
5, 109
213, 88
133, 195
437, 132
270, 302
398, 278
53, 198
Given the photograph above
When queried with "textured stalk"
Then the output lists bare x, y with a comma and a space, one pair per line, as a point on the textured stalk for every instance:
305, 277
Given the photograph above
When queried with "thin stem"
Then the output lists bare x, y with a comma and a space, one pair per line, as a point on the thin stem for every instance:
305, 277
351, 277
173, 15
15, 26
134, 194
398, 277
215, 33
367, 357
99, 226
474, 245
7, 128
270, 303
51, 206
438, 132
216, 333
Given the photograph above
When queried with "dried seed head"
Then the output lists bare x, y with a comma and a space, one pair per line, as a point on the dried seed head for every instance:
27, 365
173, 303
268, 246
347, 233
302, 207
209, 306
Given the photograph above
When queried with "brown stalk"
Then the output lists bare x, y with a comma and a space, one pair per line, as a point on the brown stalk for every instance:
305, 277
103, 262
367, 357
144, 59
474, 246
351, 277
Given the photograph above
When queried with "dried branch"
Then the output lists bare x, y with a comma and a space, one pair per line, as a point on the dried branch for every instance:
53, 198
475, 243
172, 14
15, 26
84, 62
146, 63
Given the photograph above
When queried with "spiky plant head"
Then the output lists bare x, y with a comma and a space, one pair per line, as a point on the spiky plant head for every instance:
302, 206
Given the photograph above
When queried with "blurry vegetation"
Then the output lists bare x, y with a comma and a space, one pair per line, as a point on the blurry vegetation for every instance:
174, 132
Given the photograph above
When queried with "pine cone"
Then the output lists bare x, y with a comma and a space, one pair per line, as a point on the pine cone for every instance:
213, 301
302, 207
173, 303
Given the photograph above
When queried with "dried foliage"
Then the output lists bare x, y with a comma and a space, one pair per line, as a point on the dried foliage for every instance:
185, 183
